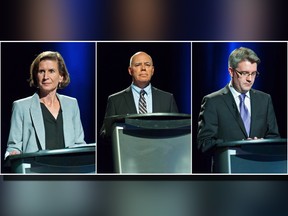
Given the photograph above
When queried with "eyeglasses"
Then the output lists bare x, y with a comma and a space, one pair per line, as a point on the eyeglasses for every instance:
246, 73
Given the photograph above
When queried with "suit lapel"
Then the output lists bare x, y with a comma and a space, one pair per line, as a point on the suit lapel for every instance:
65, 117
254, 104
37, 119
155, 100
128, 96
232, 106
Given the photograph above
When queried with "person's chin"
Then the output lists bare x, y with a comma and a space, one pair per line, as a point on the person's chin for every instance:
143, 81
246, 89
46, 90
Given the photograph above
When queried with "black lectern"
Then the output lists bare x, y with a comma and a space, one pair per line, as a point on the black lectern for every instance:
79, 159
151, 143
251, 156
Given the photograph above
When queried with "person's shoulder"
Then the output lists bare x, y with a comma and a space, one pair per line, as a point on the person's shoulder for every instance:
120, 93
259, 93
23, 100
159, 91
66, 97
26, 100
218, 93
24, 104
67, 101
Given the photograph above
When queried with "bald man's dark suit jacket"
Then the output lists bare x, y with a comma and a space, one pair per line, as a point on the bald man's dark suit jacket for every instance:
122, 103
220, 120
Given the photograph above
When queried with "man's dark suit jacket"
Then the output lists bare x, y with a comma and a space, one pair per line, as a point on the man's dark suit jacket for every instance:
220, 120
122, 103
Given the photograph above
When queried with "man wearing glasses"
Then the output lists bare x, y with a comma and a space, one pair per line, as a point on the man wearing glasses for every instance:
237, 111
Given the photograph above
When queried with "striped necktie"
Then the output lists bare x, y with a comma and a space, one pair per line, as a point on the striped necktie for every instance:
142, 103
244, 113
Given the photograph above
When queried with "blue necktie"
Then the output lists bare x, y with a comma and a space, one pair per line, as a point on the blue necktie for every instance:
142, 102
244, 113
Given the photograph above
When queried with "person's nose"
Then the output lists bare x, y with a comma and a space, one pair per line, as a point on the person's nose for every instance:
45, 75
143, 67
249, 78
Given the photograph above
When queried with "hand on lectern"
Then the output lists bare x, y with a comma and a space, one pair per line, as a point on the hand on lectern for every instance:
14, 152
255, 138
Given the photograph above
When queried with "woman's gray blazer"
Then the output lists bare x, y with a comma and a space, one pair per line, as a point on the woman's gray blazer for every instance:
27, 132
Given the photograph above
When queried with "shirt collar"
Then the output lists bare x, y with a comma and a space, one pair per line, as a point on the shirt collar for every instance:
236, 93
137, 89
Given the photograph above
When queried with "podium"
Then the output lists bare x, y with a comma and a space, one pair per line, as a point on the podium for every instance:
79, 159
251, 156
151, 143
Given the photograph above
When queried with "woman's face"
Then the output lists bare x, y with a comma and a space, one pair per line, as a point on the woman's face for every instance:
48, 76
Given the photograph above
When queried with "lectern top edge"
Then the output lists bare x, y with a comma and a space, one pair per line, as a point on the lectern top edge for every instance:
253, 142
54, 152
150, 116
109, 121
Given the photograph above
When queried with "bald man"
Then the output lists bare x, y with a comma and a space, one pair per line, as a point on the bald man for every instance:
141, 70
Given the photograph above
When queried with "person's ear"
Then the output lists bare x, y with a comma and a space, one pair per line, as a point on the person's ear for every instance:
130, 70
152, 72
230, 69
61, 78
